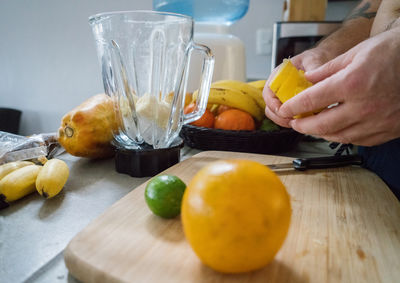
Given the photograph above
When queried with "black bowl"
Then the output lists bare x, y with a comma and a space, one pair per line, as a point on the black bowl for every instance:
266, 142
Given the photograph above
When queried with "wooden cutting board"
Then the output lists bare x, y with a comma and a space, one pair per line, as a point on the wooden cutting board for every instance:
345, 228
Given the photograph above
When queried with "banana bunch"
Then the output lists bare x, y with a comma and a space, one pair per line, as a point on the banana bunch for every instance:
52, 178
258, 84
21, 178
11, 166
18, 183
237, 94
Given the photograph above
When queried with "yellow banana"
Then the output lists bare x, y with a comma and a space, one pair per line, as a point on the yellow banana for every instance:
247, 89
258, 84
12, 166
52, 178
235, 99
18, 184
213, 108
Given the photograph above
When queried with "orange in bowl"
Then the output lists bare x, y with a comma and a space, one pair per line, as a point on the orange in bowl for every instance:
234, 119
207, 120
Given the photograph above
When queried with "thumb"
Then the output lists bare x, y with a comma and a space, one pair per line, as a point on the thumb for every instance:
329, 68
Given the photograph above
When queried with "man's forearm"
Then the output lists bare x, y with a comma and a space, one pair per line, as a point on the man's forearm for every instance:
356, 28
388, 17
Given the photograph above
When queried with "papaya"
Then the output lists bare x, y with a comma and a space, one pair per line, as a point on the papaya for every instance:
87, 130
288, 82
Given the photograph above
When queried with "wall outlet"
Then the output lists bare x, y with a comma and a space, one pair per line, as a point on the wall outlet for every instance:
264, 41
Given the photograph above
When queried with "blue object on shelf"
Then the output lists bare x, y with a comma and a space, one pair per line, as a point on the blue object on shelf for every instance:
213, 11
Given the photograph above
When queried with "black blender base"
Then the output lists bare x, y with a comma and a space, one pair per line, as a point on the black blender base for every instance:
147, 162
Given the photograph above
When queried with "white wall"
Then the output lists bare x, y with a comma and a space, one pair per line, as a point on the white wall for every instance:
48, 61
261, 15
338, 10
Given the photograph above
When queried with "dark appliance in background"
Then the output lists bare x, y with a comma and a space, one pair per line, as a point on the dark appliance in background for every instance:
292, 38
9, 120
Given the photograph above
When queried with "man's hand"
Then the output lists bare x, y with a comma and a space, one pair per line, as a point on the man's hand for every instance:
308, 60
365, 82
355, 29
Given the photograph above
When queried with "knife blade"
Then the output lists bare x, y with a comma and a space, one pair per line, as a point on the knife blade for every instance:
303, 164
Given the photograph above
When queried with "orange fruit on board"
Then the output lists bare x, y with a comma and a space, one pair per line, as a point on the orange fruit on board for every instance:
234, 119
235, 215
207, 120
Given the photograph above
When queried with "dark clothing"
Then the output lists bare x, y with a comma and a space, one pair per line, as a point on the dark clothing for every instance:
384, 160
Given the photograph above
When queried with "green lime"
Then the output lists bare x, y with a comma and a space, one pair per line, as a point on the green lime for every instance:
267, 125
164, 194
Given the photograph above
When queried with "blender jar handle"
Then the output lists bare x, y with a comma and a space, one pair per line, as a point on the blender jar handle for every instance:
204, 90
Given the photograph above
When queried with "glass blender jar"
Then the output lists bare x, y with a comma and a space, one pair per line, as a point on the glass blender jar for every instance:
144, 58
213, 19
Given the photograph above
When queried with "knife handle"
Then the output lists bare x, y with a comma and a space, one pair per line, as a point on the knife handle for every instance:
302, 164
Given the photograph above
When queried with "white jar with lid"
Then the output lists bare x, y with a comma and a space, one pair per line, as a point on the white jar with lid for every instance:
228, 50
213, 19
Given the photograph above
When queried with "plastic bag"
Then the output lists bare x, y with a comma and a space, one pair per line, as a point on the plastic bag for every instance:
36, 147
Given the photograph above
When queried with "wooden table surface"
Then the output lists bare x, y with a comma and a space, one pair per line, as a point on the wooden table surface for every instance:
34, 232
345, 228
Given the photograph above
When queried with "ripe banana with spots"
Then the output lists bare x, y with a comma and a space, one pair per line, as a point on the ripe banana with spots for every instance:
52, 178
17, 184
245, 88
258, 84
234, 98
9, 167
